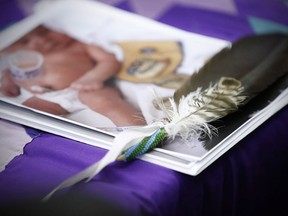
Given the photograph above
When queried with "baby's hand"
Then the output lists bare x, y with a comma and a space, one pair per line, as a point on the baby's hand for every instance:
92, 80
86, 86
39, 89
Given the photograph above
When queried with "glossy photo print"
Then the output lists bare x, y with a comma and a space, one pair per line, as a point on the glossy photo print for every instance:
84, 72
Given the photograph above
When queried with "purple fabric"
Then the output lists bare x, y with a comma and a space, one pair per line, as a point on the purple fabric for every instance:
275, 10
249, 179
124, 6
245, 179
50, 159
209, 23
10, 13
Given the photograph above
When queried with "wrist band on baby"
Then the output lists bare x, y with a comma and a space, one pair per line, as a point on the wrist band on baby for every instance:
25, 64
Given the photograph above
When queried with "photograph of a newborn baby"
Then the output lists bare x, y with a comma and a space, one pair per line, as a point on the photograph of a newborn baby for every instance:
64, 75
50, 71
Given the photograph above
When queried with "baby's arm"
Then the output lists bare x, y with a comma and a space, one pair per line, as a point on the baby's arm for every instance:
106, 67
7, 86
10, 89
109, 102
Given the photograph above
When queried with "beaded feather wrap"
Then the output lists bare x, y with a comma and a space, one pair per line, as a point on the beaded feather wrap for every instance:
190, 118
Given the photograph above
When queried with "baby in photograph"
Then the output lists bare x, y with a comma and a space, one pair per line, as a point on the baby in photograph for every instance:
73, 76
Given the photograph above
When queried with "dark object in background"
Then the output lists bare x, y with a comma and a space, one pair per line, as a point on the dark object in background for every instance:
70, 204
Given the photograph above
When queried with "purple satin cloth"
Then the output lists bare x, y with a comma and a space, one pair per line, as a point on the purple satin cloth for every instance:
50, 159
209, 23
10, 12
249, 179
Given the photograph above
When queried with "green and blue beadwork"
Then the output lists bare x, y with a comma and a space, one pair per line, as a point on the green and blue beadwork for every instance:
144, 146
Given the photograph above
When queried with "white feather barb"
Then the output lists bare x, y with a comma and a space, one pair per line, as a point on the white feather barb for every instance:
190, 118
